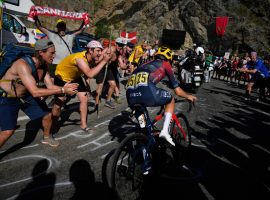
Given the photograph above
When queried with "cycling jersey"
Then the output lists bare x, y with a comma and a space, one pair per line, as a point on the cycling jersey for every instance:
156, 70
141, 86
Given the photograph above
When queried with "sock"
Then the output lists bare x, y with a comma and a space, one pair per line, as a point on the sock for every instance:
167, 120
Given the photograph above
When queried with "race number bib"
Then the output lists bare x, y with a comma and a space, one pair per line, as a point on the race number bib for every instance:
139, 79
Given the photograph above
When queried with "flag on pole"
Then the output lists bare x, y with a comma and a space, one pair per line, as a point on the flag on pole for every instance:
129, 37
1, 12
221, 24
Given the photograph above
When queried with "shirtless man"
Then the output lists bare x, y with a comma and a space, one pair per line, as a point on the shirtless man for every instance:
19, 90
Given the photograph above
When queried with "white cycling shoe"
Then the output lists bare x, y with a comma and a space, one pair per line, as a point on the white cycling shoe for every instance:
166, 136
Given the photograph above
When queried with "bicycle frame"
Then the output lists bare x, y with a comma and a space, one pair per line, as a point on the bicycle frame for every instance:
174, 119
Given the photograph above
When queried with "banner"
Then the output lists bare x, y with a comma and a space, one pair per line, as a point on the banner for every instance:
40, 10
173, 39
129, 37
221, 24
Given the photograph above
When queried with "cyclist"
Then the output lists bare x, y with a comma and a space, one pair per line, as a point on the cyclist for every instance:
142, 87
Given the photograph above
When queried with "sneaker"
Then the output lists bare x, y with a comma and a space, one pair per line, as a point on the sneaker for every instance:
166, 136
118, 100
50, 141
109, 104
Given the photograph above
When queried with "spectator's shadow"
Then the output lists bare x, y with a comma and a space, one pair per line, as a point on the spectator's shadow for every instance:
42, 186
31, 130
122, 125
83, 178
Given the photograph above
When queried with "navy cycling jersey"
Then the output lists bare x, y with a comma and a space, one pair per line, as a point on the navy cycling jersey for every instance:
152, 72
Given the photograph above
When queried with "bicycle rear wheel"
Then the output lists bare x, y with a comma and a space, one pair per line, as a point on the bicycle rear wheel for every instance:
182, 137
126, 176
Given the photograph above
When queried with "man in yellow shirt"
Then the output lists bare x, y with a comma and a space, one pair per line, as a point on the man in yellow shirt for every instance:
135, 56
71, 69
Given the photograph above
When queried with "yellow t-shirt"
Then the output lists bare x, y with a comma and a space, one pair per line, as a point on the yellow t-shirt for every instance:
140, 53
67, 69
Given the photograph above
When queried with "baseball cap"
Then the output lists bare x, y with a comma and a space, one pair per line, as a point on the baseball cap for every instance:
43, 44
94, 44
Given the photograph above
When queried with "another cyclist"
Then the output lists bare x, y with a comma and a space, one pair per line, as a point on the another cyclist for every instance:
142, 89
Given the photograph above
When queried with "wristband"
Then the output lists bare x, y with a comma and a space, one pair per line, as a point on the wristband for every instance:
63, 90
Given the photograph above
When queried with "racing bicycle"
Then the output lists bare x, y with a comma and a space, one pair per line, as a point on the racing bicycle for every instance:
143, 153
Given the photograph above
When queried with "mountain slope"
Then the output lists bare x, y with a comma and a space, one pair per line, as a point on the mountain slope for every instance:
248, 20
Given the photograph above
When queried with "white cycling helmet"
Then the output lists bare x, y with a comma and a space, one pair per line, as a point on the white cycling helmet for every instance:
199, 50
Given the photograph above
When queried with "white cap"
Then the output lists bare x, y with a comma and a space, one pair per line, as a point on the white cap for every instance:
121, 41
94, 44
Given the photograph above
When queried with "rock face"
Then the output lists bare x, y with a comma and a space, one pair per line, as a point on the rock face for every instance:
248, 20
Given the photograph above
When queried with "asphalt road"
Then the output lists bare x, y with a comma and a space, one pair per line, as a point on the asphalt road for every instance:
230, 155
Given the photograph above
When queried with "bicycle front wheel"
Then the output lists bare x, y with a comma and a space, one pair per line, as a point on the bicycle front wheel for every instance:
126, 176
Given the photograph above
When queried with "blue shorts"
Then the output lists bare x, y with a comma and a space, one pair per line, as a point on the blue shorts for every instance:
34, 108
149, 96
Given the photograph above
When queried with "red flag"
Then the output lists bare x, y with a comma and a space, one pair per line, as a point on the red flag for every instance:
221, 24
130, 37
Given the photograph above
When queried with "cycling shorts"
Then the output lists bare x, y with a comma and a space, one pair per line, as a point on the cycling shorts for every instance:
149, 96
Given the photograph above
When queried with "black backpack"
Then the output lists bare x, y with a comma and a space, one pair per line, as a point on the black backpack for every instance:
13, 52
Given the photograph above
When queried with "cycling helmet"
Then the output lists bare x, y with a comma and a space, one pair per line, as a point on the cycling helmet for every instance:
164, 53
199, 50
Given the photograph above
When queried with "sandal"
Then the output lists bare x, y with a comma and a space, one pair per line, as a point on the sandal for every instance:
87, 130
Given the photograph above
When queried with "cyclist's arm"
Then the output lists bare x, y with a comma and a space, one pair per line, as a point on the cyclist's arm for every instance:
169, 72
178, 91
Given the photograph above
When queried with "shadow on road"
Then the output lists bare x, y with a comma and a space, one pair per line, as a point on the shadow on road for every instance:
31, 130
83, 178
42, 186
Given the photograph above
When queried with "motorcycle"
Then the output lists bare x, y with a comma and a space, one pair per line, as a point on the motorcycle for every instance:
191, 73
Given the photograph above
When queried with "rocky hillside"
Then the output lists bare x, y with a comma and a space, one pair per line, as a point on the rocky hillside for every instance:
248, 20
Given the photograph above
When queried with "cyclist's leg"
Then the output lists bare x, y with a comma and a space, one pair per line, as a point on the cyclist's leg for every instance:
165, 98
169, 108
